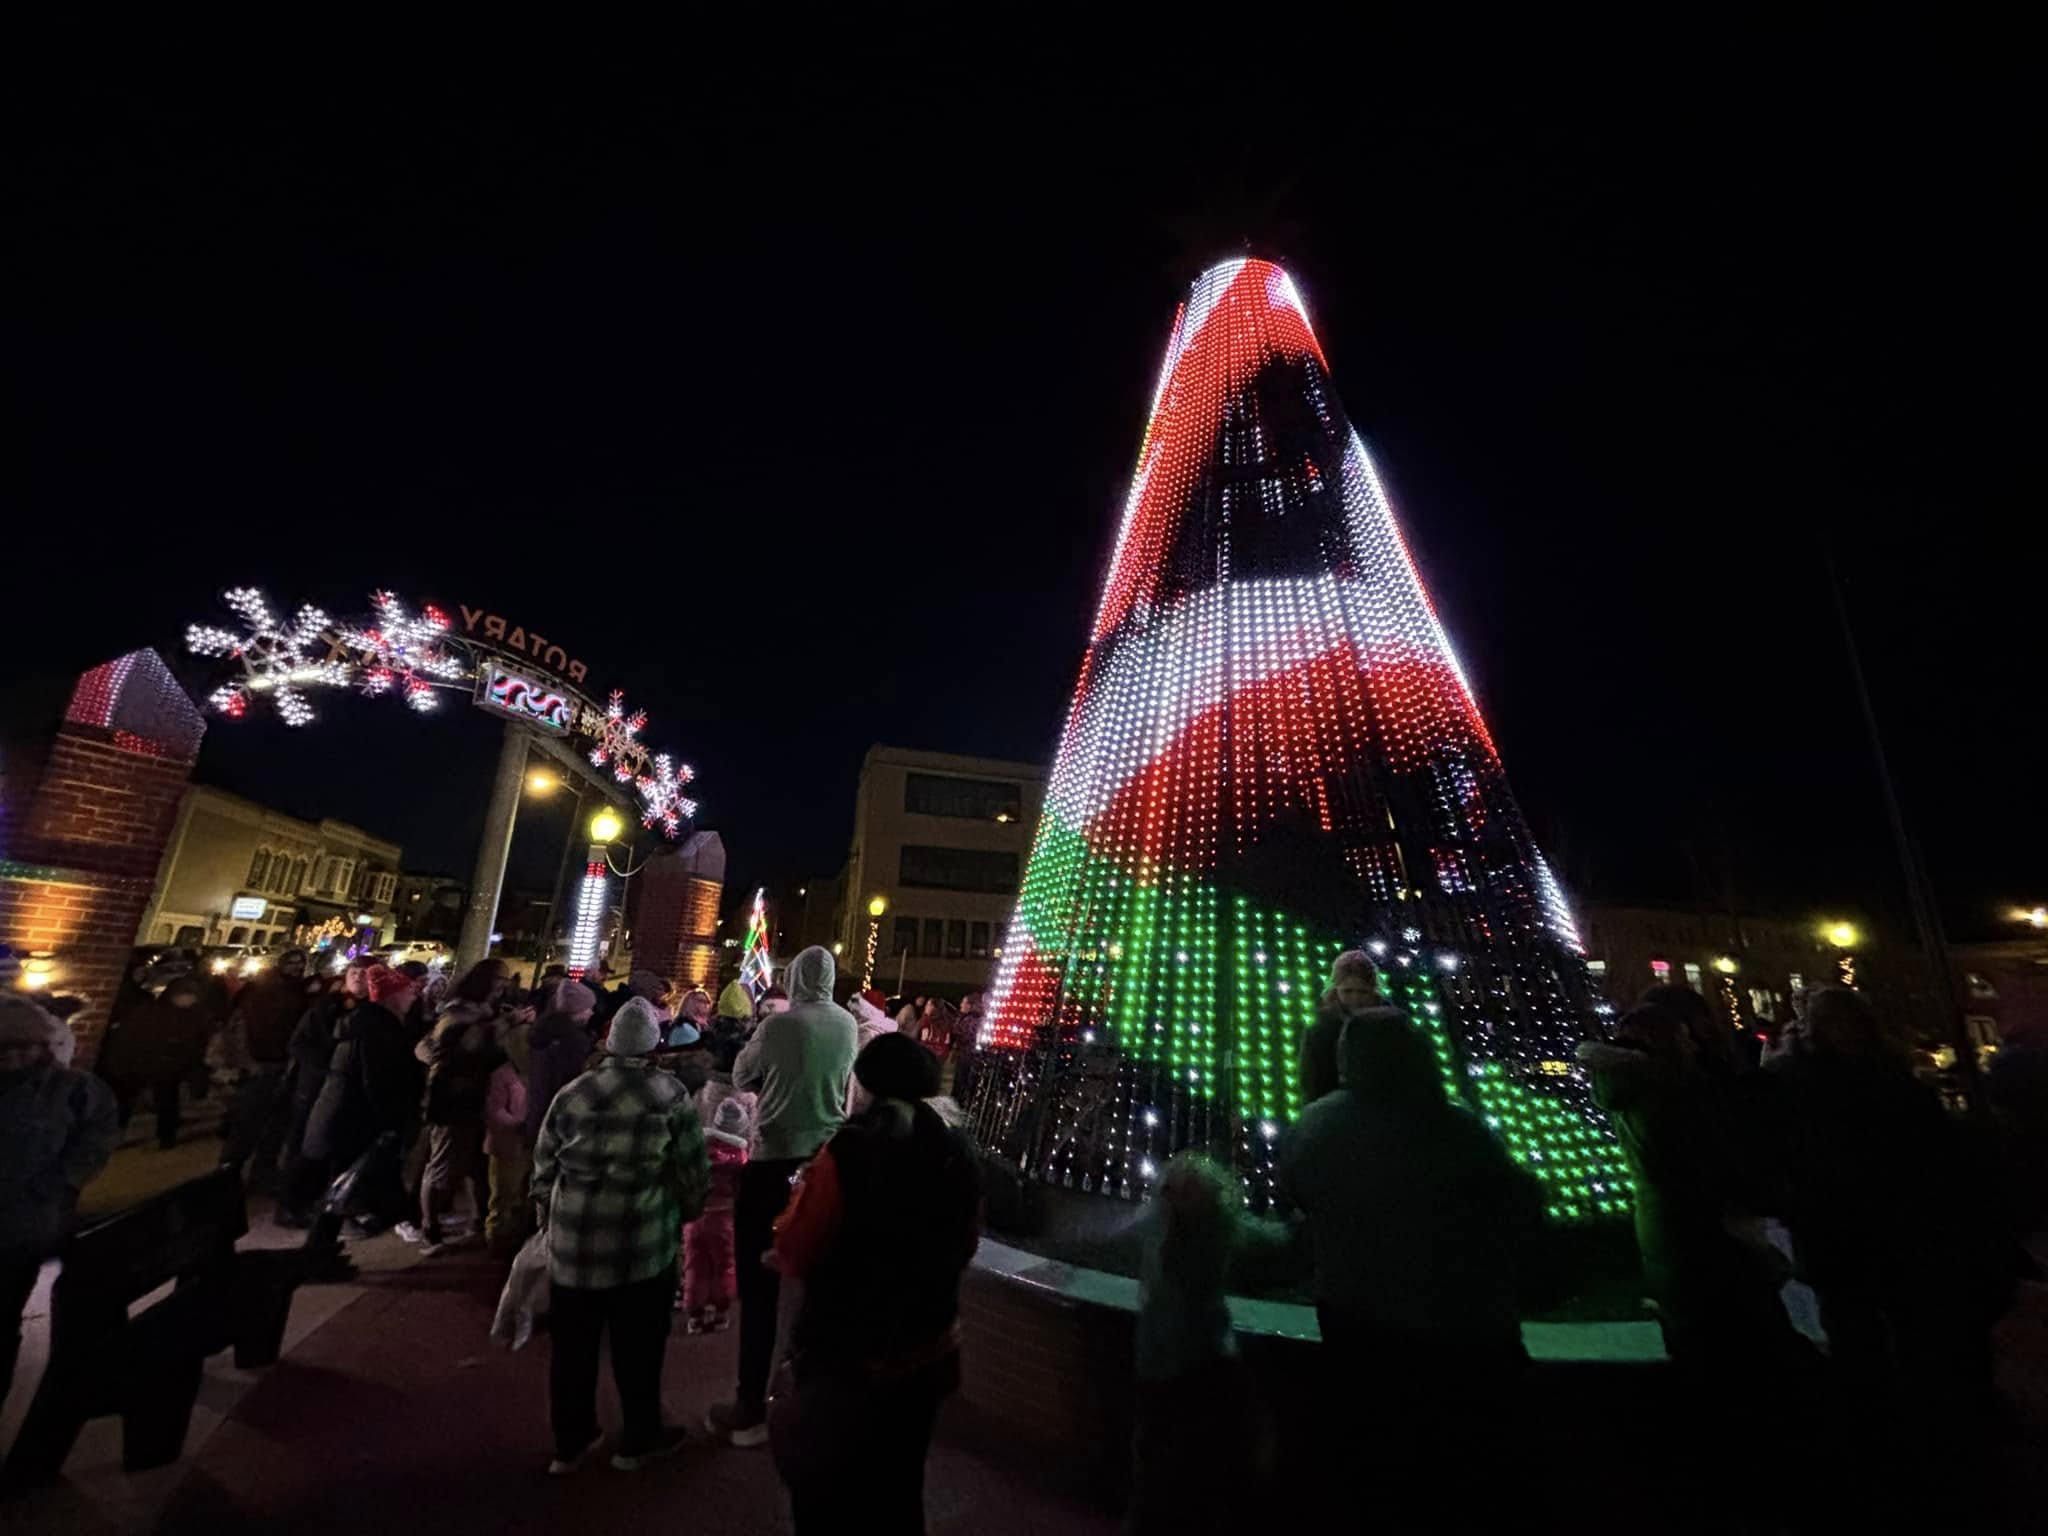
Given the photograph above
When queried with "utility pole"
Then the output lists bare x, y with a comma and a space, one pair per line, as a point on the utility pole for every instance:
1919, 898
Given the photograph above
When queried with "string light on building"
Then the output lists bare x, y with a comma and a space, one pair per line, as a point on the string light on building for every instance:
1272, 754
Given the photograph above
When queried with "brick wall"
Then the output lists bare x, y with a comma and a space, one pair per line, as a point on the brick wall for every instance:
675, 923
86, 834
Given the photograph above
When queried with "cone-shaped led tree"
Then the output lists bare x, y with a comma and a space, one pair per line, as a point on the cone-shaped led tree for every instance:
1272, 755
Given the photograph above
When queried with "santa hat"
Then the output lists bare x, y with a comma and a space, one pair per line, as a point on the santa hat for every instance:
875, 1000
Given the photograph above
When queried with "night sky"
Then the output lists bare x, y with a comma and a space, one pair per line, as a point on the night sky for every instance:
798, 400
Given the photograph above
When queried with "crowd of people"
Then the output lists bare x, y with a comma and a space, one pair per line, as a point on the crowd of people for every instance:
678, 1156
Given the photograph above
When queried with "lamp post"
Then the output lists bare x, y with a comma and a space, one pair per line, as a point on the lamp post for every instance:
488, 880
876, 907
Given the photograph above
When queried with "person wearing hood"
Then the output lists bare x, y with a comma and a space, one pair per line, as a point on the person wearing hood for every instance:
557, 1047
797, 1064
57, 1129
1354, 991
886, 1217
619, 1167
1420, 1225
461, 1054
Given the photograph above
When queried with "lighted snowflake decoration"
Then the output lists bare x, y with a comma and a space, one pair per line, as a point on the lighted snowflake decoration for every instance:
615, 731
661, 795
404, 654
276, 659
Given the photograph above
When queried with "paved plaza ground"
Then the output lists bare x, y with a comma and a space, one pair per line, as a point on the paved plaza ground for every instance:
392, 1409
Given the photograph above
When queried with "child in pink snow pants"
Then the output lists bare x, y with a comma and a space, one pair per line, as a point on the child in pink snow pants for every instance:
709, 1279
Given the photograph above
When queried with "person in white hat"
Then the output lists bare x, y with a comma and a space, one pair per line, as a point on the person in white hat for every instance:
57, 1129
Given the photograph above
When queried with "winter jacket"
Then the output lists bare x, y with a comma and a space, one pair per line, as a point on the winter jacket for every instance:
57, 1129
1319, 1042
312, 1046
267, 1010
370, 1086
883, 1221
556, 1048
505, 1112
1695, 1143
799, 1062
461, 1054
619, 1167
1417, 1217
162, 1040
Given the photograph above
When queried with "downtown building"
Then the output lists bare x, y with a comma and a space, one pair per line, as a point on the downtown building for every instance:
240, 875
942, 840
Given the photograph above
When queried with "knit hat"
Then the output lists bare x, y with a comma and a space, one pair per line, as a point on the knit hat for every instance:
25, 1023
731, 1117
894, 1066
648, 984
636, 1029
572, 998
735, 1002
387, 983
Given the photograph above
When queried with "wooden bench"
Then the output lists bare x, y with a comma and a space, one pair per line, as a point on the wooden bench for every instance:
147, 1367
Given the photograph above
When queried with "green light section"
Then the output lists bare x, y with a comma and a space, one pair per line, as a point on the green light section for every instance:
1144, 959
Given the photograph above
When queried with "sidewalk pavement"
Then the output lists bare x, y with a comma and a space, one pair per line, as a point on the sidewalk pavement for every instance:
391, 1408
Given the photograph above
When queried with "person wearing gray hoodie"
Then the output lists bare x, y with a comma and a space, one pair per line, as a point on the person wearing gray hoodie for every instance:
797, 1063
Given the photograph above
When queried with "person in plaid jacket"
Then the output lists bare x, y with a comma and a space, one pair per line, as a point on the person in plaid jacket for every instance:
619, 1167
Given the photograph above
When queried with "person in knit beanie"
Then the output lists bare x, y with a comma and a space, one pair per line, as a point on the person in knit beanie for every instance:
556, 1049
710, 1277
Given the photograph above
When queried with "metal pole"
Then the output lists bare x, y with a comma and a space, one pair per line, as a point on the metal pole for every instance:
488, 881
1926, 916
547, 930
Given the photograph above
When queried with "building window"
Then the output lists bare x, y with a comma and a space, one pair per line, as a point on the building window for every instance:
989, 870
934, 937
903, 938
298, 875
259, 868
1660, 971
956, 939
977, 941
1596, 967
1692, 975
238, 935
941, 794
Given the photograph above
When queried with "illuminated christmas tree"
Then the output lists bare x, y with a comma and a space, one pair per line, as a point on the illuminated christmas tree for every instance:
1272, 755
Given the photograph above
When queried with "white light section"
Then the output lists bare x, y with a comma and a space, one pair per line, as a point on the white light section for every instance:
590, 904
1557, 912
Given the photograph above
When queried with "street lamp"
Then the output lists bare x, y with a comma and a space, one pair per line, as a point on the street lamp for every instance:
541, 782
1725, 964
1841, 935
2033, 917
606, 826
